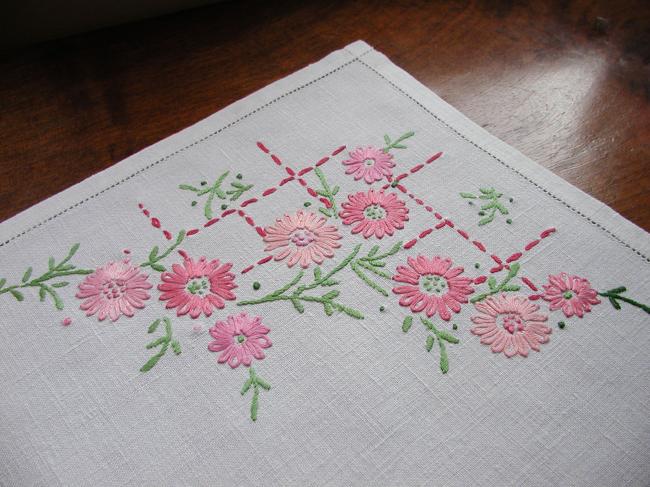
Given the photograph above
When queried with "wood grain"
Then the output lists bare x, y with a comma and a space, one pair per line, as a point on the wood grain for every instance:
565, 82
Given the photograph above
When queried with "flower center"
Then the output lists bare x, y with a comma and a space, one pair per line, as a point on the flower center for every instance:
374, 212
433, 283
512, 322
114, 288
240, 338
368, 162
302, 238
199, 285
568, 294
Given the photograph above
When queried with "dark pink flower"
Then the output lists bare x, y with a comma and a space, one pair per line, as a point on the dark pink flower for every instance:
375, 213
369, 163
115, 289
239, 339
302, 237
510, 325
197, 286
572, 294
432, 285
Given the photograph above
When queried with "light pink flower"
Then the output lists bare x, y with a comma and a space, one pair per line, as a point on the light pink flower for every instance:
369, 163
432, 285
197, 286
114, 289
302, 237
239, 339
573, 294
375, 213
510, 324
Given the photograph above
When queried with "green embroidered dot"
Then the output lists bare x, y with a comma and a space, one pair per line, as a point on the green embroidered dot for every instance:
381, 308
561, 325
223, 207
454, 326
477, 265
511, 200
481, 213
307, 204
567, 295
470, 203
203, 183
193, 203
256, 285
393, 184
508, 221
239, 176
241, 338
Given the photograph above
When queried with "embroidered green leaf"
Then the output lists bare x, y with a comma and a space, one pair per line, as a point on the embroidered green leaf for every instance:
154, 258
297, 297
504, 286
408, 322
373, 263
215, 191
27, 275
615, 295
256, 382
468, 195
397, 143
54, 271
442, 336
3, 281
328, 193
489, 209
164, 342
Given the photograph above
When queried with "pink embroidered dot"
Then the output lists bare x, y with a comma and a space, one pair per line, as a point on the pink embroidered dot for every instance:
374, 213
66, 321
239, 339
126, 251
197, 287
115, 289
510, 324
432, 285
369, 163
573, 294
301, 238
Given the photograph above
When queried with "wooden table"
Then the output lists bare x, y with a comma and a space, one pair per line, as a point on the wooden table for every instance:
565, 82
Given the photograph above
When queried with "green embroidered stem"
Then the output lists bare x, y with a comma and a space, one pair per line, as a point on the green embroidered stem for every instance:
373, 263
397, 144
491, 207
256, 382
502, 287
154, 258
614, 296
54, 270
296, 298
442, 337
327, 192
166, 341
215, 190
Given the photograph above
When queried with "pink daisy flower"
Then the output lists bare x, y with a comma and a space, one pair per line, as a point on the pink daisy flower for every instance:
115, 289
510, 324
197, 286
302, 237
375, 213
239, 339
432, 285
573, 294
369, 163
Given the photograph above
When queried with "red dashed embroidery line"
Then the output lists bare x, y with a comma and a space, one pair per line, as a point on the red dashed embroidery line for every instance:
413, 170
155, 222
517, 255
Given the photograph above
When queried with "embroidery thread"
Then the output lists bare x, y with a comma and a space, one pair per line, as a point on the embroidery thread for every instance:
215, 190
154, 259
614, 296
257, 383
374, 263
164, 342
442, 337
327, 195
503, 286
374, 213
54, 271
397, 144
488, 210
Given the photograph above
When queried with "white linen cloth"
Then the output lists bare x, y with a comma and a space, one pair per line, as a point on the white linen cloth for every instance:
352, 401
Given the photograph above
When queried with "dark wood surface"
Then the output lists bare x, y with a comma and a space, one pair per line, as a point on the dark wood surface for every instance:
565, 82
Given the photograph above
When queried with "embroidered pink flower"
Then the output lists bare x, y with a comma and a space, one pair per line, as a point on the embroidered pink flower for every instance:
239, 339
197, 286
369, 163
115, 289
302, 237
573, 294
510, 324
375, 213
432, 285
